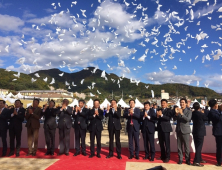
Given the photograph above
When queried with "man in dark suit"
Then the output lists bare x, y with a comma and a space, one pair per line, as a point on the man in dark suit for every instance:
32, 116
49, 113
155, 107
15, 127
80, 126
114, 127
216, 119
95, 128
4, 115
64, 125
133, 127
164, 128
148, 118
199, 131
183, 116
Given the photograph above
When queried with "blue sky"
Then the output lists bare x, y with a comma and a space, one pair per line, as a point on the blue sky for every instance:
108, 34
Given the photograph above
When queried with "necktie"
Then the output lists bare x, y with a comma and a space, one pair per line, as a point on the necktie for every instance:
113, 110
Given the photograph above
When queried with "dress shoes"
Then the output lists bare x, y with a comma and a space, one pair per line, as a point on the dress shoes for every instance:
98, 156
33, 154
159, 158
84, 154
152, 159
166, 160
203, 161
29, 154
130, 157
109, 156
119, 157
218, 164
10, 154
197, 164
188, 163
59, 154
67, 154
91, 156
137, 157
47, 153
146, 157
76, 154
179, 162
52, 154
17, 154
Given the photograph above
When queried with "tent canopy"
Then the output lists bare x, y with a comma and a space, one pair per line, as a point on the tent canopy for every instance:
75, 102
122, 103
105, 103
138, 104
90, 103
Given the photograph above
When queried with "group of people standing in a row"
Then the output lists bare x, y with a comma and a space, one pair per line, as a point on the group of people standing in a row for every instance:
136, 121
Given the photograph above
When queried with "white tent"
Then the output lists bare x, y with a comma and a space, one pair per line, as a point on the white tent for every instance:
90, 103
75, 102
29, 104
105, 103
12, 101
19, 96
178, 103
191, 105
10, 95
138, 104
122, 103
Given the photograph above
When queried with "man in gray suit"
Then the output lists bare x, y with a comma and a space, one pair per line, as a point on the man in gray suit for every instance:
183, 116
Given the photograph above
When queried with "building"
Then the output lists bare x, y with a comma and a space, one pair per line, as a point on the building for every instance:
80, 95
4, 91
164, 95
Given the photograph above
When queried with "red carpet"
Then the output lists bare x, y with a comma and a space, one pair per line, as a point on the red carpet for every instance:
81, 162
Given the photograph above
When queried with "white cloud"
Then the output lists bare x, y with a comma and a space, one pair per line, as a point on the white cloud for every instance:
10, 23
28, 14
49, 10
167, 76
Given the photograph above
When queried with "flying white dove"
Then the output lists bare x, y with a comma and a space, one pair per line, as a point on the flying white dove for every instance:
17, 75
66, 83
61, 74
33, 80
45, 79
142, 58
98, 92
147, 87
53, 81
91, 94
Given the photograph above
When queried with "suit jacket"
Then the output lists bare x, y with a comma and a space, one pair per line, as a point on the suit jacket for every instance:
216, 119
114, 119
183, 121
199, 119
95, 122
50, 118
33, 119
16, 120
148, 123
135, 119
164, 121
82, 118
3, 119
65, 118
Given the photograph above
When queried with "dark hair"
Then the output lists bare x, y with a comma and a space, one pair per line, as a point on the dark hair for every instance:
113, 100
96, 100
206, 107
154, 104
146, 103
21, 103
131, 100
212, 103
81, 101
2, 101
164, 100
36, 100
18, 101
52, 101
183, 99
196, 106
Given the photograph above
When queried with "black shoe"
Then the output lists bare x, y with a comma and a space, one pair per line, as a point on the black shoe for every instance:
10, 154
98, 155
67, 154
166, 160
84, 154
119, 157
109, 156
197, 164
47, 153
59, 154
29, 154
218, 164
130, 157
179, 162
76, 154
33, 154
52, 154
137, 157
159, 158
17, 154
152, 159
91, 156
4, 154
203, 161
188, 163
146, 157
